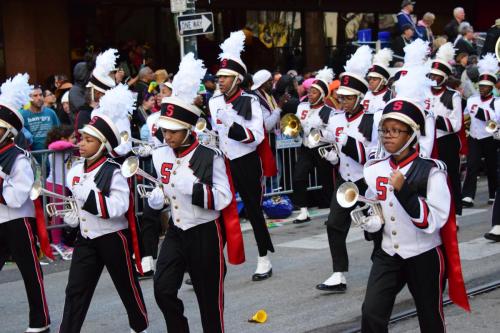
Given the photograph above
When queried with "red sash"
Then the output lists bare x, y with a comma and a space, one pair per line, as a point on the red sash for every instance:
41, 229
132, 225
269, 167
234, 237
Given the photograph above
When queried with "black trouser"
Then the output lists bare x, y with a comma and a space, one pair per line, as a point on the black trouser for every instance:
199, 251
89, 258
306, 161
150, 230
18, 240
496, 207
480, 148
246, 172
424, 274
337, 228
448, 150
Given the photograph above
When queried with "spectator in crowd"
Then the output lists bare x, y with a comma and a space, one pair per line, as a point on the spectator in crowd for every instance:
492, 36
146, 75
141, 113
39, 119
438, 42
424, 27
60, 139
465, 42
461, 61
332, 99
470, 79
210, 85
401, 41
161, 75
63, 111
62, 85
81, 75
451, 29
49, 99
405, 18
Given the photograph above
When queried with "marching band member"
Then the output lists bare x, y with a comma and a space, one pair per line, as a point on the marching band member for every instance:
494, 233
104, 204
195, 182
378, 94
352, 131
446, 105
17, 212
313, 114
481, 143
416, 206
237, 118
100, 81
416, 54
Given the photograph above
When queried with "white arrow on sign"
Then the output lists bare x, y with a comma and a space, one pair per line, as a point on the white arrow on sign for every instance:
205, 23
202, 23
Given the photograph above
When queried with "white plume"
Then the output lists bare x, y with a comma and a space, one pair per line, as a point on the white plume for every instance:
416, 53
414, 85
383, 57
233, 46
118, 105
446, 52
360, 61
15, 92
106, 61
186, 82
488, 64
326, 74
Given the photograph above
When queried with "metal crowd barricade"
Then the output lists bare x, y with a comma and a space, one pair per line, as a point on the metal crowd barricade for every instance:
285, 154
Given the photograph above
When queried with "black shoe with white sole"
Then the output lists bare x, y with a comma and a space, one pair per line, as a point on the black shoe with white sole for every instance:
262, 276
335, 289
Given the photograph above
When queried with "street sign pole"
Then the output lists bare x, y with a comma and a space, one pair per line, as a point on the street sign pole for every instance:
189, 44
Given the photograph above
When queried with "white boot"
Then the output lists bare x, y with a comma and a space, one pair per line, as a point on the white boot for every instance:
147, 264
303, 216
264, 269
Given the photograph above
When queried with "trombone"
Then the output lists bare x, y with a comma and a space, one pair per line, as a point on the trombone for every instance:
207, 136
493, 127
316, 138
66, 206
348, 195
142, 148
130, 167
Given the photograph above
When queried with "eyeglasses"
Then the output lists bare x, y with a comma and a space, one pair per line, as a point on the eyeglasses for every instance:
392, 132
342, 98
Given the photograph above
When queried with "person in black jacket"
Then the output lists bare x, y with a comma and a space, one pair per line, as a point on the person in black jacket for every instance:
492, 36
401, 41
465, 43
451, 29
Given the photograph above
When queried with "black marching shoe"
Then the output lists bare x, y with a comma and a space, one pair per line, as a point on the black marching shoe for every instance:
297, 221
146, 275
264, 269
45, 329
262, 276
335, 289
494, 234
188, 282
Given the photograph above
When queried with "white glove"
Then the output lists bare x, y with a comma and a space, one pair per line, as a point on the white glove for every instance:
342, 139
71, 219
226, 118
332, 157
183, 185
156, 199
371, 224
81, 192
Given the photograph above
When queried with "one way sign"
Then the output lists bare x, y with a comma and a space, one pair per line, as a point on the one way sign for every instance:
195, 24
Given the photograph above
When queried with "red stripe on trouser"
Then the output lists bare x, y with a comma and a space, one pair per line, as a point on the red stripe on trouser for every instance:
37, 268
131, 276
441, 277
221, 275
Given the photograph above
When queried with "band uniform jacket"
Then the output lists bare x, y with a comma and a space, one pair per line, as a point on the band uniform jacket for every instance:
313, 117
104, 210
352, 155
247, 131
16, 181
446, 106
414, 215
480, 111
195, 182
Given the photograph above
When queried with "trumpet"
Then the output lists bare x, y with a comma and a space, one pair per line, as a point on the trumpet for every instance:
491, 126
130, 167
60, 209
290, 125
142, 148
316, 138
205, 135
348, 195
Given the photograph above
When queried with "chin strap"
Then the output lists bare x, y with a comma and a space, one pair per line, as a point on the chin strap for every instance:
381, 85
407, 144
439, 85
184, 142
5, 135
319, 100
233, 86
96, 155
